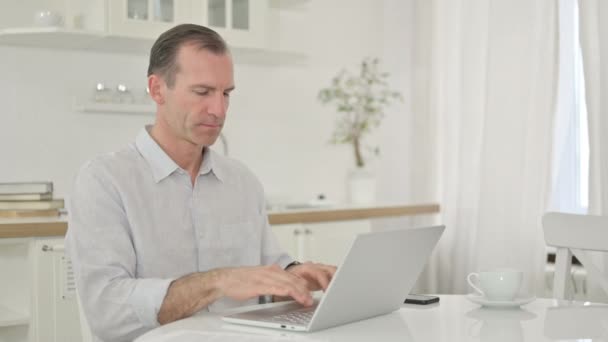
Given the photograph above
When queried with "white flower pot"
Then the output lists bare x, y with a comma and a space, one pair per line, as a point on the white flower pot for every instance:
362, 186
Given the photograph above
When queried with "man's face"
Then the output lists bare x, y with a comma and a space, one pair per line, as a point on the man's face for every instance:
195, 107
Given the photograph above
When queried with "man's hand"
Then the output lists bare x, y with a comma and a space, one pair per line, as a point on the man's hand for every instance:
243, 283
317, 276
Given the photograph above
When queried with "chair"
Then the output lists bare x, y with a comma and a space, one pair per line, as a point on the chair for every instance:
85, 330
575, 234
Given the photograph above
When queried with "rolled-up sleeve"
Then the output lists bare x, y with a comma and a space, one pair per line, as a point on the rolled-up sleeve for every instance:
272, 252
118, 306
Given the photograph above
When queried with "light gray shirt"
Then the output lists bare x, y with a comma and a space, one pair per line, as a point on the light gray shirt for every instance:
137, 223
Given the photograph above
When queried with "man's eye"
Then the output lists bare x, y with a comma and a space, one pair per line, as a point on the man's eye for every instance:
201, 93
226, 94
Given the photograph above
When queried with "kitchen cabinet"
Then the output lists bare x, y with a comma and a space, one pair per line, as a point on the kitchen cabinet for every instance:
242, 23
132, 26
329, 242
14, 290
239, 22
320, 242
289, 236
145, 18
37, 292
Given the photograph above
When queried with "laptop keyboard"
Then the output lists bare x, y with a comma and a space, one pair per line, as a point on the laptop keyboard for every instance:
295, 317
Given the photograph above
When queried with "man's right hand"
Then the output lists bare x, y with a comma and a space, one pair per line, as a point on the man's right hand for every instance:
242, 283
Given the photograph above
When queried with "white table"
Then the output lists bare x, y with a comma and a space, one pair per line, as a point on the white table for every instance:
453, 319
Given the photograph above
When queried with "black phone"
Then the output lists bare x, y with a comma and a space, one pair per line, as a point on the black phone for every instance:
421, 299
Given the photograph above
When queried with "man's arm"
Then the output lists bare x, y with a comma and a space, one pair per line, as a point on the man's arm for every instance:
191, 293
118, 305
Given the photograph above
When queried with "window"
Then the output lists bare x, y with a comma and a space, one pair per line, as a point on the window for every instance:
570, 186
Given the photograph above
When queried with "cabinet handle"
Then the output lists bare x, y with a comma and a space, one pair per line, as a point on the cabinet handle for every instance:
53, 248
307, 232
296, 232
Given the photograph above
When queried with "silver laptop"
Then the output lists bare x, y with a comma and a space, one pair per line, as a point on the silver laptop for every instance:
377, 274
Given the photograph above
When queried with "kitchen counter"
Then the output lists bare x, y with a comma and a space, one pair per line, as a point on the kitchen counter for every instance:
347, 213
45, 226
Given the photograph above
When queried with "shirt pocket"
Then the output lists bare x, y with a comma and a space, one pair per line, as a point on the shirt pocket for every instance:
240, 242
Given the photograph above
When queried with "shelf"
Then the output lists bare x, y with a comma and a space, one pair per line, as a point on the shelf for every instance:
132, 108
9, 318
60, 38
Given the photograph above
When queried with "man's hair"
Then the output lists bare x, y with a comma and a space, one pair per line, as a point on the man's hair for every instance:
163, 54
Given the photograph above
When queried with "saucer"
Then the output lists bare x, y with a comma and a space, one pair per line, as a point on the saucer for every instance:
477, 299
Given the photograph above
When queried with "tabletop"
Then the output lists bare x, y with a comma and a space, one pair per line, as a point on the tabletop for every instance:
453, 319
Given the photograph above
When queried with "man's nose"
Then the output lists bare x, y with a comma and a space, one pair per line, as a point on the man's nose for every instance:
219, 105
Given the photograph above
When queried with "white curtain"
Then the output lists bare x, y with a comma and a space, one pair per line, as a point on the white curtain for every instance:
568, 147
593, 21
492, 67
594, 43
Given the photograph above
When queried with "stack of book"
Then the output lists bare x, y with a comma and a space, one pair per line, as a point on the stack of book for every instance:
29, 199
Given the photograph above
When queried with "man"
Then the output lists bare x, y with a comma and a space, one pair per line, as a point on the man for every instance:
167, 227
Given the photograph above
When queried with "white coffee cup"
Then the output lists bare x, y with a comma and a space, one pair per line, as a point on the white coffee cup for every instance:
499, 285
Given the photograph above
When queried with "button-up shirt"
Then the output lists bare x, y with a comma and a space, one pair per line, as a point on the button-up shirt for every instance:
137, 223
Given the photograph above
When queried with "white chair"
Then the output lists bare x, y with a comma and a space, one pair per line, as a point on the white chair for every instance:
573, 234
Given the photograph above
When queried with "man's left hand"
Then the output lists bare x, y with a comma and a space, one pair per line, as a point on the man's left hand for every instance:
317, 276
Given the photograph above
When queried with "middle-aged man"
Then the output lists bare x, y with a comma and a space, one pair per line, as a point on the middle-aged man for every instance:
167, 227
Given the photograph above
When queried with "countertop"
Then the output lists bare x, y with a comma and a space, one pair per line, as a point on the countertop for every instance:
57, 226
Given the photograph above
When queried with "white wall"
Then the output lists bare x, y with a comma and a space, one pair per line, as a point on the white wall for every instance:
275, 124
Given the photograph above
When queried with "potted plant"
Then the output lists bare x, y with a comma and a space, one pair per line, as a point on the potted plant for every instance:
360, 99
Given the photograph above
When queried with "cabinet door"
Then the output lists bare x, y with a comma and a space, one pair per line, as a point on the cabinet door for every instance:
242, 23
291, 238
14, 290
146, 18
329, 242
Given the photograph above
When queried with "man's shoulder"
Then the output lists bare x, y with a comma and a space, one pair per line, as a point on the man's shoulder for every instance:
233, 168
112, 162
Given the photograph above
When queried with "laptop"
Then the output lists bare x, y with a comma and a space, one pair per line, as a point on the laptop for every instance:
376, 275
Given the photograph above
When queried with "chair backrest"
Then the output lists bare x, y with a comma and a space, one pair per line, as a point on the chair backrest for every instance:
573, 234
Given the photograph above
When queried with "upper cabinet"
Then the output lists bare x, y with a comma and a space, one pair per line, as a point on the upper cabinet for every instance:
131, 26
145, 18
240, 22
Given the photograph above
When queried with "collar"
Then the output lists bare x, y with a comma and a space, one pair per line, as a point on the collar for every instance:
162, 165
212, 162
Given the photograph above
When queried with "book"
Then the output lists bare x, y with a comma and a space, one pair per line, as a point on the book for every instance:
26, 197
26, 188
32, 205
29, 213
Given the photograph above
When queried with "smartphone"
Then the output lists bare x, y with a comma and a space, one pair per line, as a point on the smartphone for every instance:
421, 299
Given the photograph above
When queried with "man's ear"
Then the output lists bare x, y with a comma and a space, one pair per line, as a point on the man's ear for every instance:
157, 87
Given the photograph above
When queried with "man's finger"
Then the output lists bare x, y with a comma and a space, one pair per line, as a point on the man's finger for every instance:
295, 286
318, 277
